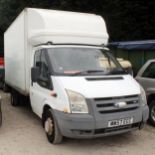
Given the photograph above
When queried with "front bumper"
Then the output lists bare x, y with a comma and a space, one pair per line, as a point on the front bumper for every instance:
90, 126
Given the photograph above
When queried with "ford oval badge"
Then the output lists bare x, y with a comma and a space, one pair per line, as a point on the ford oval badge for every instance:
120, 104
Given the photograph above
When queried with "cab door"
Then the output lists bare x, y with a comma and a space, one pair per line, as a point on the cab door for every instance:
41, 89
146, 77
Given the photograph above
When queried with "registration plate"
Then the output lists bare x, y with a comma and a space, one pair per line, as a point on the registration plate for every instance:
120, 122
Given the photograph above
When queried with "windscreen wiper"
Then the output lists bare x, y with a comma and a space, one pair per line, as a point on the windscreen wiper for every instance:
114, 72
89, 71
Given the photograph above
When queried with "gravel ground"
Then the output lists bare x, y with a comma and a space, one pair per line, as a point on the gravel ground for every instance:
22, 134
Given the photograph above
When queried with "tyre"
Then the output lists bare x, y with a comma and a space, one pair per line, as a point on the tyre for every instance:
14, 98
152, 113
5, 88
53, 133
0, 115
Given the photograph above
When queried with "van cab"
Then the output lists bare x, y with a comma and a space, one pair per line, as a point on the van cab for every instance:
90, 97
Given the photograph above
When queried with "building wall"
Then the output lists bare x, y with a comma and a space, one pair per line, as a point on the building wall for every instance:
136, 57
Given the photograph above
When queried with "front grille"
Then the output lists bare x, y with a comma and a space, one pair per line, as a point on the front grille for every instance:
108, 105
118, 110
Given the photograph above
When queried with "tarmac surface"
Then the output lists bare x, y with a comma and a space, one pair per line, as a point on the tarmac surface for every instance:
22, 134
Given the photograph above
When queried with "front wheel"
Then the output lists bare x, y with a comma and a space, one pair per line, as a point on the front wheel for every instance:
51, 128
152, 113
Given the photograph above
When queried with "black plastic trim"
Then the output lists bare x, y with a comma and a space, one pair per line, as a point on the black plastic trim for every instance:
104, 78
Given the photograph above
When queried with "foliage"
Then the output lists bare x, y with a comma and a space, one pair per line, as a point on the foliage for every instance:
126, 19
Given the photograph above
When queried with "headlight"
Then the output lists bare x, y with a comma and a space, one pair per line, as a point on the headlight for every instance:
77, 102
143, 96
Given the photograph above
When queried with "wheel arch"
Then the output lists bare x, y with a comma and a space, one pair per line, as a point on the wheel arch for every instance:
45, 108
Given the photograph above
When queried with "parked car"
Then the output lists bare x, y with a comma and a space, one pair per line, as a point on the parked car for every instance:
0, 113
1, 72
146, 77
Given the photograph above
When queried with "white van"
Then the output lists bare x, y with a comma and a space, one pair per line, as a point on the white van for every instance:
57, 59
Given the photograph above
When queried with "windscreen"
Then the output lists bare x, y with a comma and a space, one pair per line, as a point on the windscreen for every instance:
83, 61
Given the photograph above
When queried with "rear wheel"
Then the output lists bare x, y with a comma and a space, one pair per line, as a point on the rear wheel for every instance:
51, 128
15, 98
152, 113
6, 88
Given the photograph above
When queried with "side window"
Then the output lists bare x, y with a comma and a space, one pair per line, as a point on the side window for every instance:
150, 71
41, 62
37, 60
44, 66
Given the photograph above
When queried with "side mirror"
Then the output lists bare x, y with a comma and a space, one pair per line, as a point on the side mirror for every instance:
35, 72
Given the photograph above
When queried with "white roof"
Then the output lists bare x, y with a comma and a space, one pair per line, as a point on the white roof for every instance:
65, 27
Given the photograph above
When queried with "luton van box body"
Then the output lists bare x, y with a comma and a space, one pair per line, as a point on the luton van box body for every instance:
33, 27
75, 85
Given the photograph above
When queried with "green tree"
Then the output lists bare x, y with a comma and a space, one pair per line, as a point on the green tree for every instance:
125, 19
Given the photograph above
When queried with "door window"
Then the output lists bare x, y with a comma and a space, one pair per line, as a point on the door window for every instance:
150, 71
41, 62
